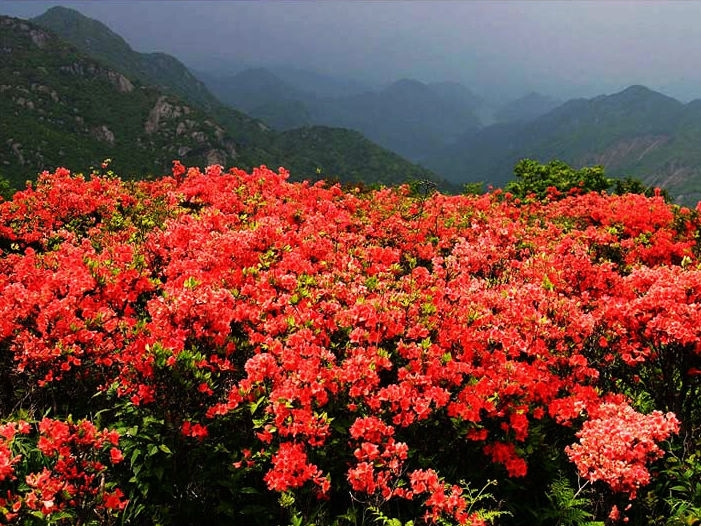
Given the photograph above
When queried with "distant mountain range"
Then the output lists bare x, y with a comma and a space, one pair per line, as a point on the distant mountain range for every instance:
78, 98
408, 117
526, 108
637, 132
96, 98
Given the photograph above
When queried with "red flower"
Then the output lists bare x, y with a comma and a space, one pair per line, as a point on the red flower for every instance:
115, 500
197, 431
116, 455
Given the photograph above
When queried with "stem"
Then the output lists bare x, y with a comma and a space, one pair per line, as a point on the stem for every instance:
581, 486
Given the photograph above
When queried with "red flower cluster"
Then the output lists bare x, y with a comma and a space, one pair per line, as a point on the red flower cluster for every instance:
328, 328
72, 476
616, 443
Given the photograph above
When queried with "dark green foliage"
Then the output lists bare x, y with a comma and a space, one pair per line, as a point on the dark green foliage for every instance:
632, 185
473, 188
567, 506
6, 190
535, 178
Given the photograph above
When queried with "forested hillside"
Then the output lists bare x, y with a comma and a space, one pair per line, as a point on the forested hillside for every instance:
68, 108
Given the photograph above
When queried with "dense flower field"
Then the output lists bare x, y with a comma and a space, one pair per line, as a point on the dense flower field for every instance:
236, 346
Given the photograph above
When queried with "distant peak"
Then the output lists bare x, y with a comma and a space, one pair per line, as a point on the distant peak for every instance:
64, 13
407, 85
637, 88
407, 82
637, 92
77, 28
62, 9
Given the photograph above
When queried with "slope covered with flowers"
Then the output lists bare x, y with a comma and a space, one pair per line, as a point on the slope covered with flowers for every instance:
274, 352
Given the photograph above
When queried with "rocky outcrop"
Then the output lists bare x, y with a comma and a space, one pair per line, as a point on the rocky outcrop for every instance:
103, 134
40, 88
192, 136
216, 156
39, 37
163, 111
16, 149
122, 83
89, 69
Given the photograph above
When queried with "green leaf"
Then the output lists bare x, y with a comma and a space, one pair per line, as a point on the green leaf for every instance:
253, 406
134, 456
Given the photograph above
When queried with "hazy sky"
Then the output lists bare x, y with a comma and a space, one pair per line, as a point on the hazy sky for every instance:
562, 48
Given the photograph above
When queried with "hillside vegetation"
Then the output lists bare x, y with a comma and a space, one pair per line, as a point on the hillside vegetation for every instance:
68, 108
62, 108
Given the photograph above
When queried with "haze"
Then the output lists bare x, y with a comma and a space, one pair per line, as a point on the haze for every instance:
498, 49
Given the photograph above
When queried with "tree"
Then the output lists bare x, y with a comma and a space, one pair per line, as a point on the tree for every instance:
533, 177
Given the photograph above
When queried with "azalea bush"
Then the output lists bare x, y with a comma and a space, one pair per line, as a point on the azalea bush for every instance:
232, 345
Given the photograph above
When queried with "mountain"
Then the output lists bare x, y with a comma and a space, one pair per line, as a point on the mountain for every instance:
526, 108
252, 88
318, 84
154, 69
61, 108
75, 107
408, 117
143, 110
636, 132
160, 70
343, 154
263, 95
457, 95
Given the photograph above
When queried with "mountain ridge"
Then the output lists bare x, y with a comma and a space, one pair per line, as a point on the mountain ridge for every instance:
635, 132
110, 48
222, 136
407, 116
